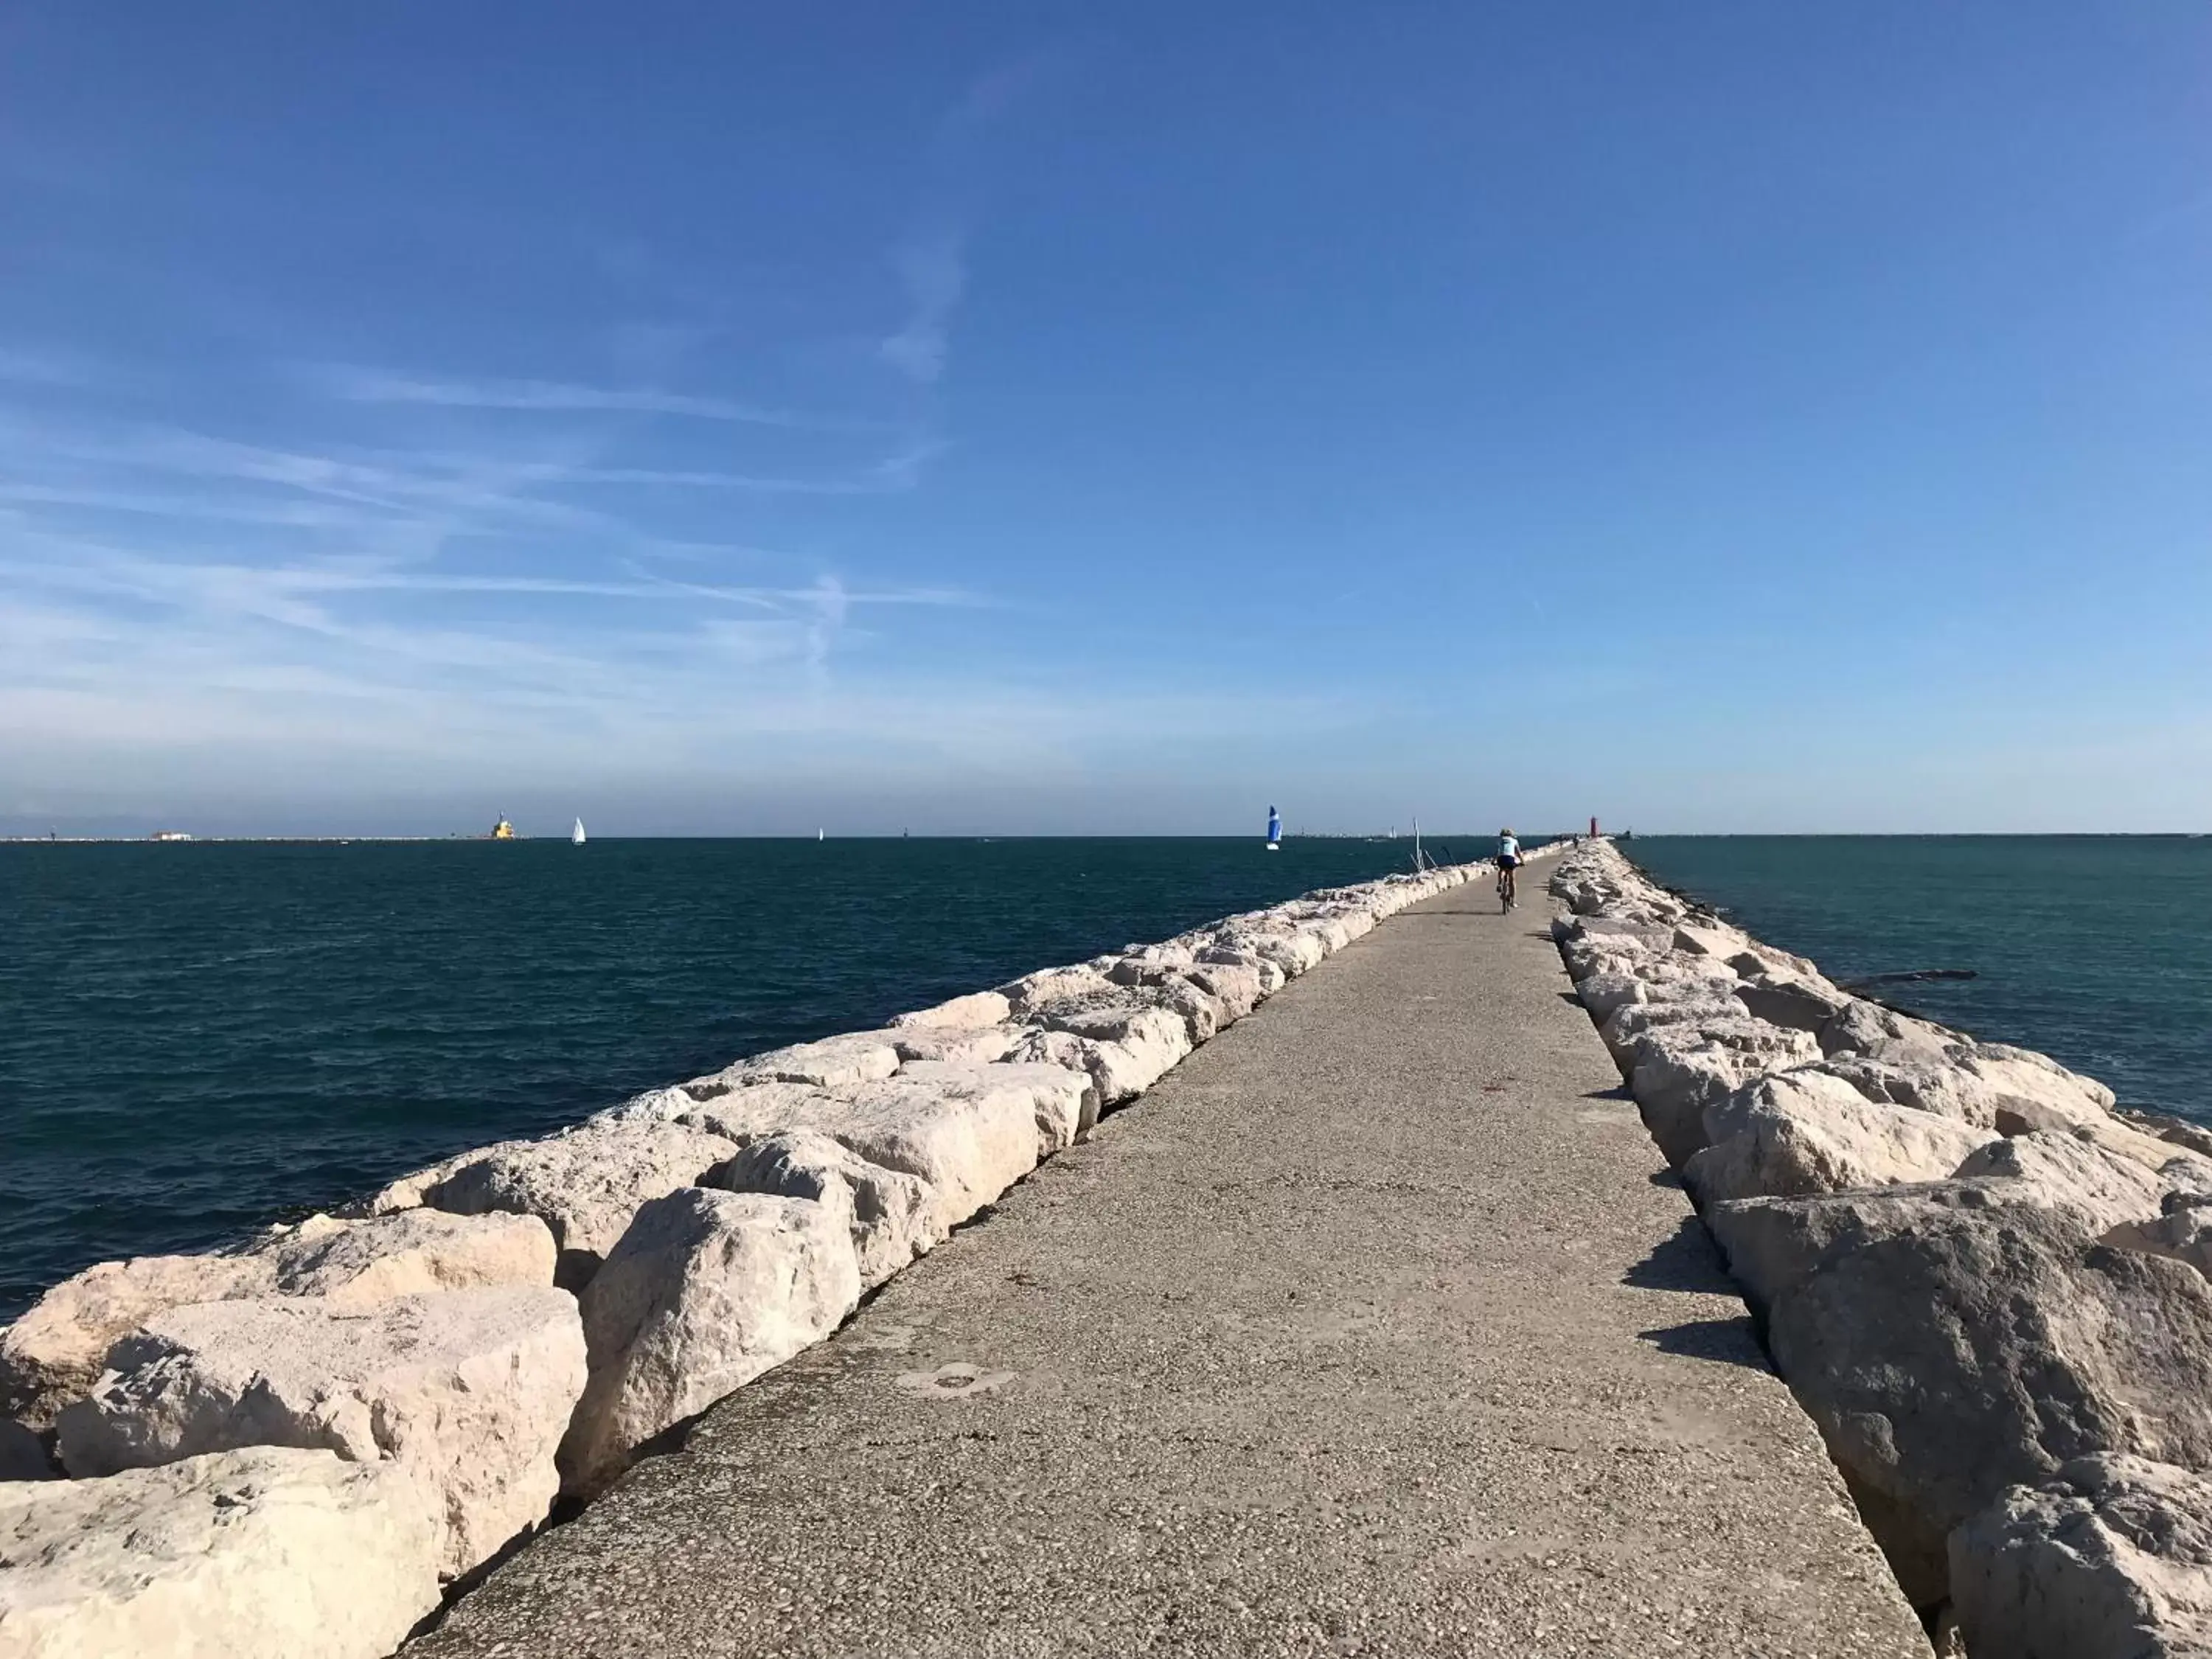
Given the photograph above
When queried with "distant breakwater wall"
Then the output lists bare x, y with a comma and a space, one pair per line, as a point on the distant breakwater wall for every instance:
300, 1447
1984, 1283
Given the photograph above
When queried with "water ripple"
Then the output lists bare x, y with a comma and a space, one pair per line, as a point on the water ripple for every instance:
197, 1039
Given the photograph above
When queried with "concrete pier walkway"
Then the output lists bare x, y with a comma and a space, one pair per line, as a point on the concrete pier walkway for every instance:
1376, 1327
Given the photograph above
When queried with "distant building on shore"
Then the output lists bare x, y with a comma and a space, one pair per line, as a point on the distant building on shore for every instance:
172, 834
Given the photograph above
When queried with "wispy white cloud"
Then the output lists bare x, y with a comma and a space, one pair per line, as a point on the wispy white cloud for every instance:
931, 259
369, 386
933, 269
45, 366
887, 476
404, 482
263, 670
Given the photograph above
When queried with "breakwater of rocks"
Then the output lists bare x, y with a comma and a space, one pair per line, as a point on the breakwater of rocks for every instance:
1984, 1283
302, 1447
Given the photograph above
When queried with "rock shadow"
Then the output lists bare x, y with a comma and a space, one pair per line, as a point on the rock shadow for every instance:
1688, 1260
1724, 1341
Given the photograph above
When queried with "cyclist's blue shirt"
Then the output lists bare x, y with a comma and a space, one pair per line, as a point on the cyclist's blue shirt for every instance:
1509, 848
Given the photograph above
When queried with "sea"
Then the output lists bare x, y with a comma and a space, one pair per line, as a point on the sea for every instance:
198, 1039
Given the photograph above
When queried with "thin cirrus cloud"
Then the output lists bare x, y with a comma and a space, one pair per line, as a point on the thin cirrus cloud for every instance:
550, 584
46, 369
368, 386
932, 261
935, 270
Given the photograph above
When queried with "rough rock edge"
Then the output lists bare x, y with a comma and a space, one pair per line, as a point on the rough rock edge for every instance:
1627, 942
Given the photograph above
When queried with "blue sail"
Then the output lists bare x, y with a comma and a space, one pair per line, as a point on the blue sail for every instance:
1274, 824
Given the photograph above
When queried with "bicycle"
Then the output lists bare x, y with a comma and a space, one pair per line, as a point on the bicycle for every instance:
1505, 891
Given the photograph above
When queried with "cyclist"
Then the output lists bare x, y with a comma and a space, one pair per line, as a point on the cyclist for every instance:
1508, 860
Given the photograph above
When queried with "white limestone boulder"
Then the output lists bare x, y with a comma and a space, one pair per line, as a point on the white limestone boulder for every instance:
1675, 1072
2029, 1072
262, 1553
1801, 1132
1139, 964
1209, 995
1606, 954
667, 1105
978, 1008
1636, 929
1237, 987
893, 1216
1025, 995
585, 1185
1117, 1073
1171, 990
1758, 960
2187, 1176
2110, 1560
706, 1291
1802, 1003
405, 1192
1710, 938
831, 1062
1922, 1082
1690, 1008
1292, 952
1861, 1027
1356, 920
1266, 975
2029, 1096
358, 1264
2175, 1131
1613, 983
2182, 1231
1950, 1341
1139, 1042
1602, 992
962, 1045
2072, 1171
968, 1132
471, 1390
53, 1354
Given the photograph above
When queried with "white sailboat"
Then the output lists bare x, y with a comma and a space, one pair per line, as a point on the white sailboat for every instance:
821, 834
576, 836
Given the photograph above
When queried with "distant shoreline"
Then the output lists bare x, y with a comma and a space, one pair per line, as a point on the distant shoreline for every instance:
456, 837
204, 841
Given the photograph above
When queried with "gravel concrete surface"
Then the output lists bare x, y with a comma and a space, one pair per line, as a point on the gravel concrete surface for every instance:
1376, 1327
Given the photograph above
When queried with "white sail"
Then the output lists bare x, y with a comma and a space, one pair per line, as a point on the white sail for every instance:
576, 836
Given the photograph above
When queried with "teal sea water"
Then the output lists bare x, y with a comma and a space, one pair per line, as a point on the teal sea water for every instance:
2095, 949
195, 1039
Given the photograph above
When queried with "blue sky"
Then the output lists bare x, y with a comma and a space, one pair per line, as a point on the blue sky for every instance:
1004, 417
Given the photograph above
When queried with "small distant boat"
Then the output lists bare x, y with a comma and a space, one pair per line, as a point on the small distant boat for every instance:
502, 830
576, 836
1274, 830
821, 834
